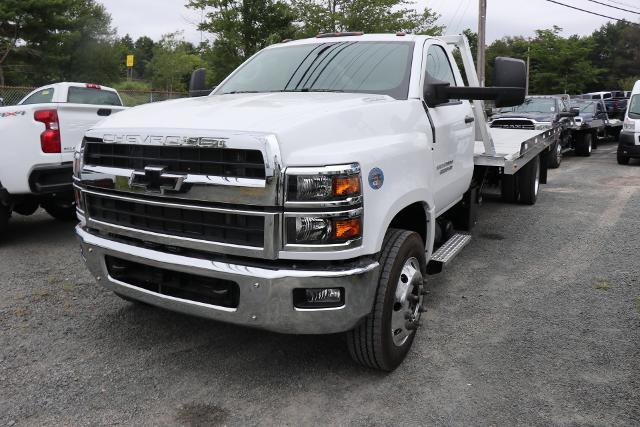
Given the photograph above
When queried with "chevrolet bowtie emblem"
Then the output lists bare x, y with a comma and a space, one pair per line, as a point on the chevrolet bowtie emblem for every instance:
154, 179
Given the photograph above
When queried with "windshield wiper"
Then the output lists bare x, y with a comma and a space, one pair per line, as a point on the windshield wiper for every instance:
306, 89
241, 91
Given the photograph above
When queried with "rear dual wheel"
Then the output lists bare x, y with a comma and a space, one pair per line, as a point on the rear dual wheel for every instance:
523, 187
383, 339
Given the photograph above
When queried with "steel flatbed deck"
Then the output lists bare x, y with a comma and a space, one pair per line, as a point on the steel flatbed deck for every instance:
511, 149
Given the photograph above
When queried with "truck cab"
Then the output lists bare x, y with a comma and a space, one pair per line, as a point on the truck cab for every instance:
39, 138
307, 194
629, 143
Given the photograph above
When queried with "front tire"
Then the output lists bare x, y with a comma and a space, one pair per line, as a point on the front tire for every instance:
585, 145
383, 338
555, 155
61, 210
5, 214
622, 160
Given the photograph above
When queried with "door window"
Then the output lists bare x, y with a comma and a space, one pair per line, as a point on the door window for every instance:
43, 96
438, 65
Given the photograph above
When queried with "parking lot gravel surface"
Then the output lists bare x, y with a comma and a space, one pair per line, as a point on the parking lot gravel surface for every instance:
536, 322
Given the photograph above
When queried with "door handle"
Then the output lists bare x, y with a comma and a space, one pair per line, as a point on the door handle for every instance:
104, 112
469, 119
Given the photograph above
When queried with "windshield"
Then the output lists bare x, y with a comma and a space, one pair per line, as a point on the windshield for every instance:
533, 105
585, 107
91, 96
361, 67
634, 107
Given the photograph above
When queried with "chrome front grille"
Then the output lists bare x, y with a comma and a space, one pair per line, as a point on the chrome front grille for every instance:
192, 223
513, 124
229, 163
203, 228
219, 199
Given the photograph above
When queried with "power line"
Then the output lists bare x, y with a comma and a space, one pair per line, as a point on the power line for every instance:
458, 29
623, 4
614, 7
590, 12
454, 16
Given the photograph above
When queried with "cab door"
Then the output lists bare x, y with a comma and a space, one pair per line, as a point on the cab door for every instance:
453, 125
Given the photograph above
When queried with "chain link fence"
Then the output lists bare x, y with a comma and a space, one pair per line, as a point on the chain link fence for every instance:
13, 94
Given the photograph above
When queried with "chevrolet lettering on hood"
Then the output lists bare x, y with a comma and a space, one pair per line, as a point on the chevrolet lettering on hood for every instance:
198, 141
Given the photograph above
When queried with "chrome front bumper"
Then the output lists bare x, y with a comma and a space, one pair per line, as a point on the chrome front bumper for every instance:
266, 296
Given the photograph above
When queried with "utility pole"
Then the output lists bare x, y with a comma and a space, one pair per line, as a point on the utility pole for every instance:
482, 41
528, 65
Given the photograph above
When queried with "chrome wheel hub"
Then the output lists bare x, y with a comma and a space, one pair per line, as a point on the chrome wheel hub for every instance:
537, 182
407, 306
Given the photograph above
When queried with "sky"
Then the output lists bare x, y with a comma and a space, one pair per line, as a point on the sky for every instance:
504, 17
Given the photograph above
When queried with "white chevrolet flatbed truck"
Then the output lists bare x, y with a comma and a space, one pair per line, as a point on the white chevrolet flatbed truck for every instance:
311, 192
38, 137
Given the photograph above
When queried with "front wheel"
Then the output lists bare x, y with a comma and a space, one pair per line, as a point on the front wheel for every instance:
383, 338
585, 145
622, 160
555, 155
5, 214
61, 210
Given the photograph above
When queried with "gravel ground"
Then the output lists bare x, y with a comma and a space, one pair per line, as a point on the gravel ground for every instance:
536, 322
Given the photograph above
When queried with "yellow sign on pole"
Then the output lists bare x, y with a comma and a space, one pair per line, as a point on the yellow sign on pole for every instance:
129, 60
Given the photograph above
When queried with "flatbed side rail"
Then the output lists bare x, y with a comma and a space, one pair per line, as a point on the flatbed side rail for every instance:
528, 149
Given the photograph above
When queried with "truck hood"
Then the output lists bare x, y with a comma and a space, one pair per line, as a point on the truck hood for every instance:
300, 121
265, 112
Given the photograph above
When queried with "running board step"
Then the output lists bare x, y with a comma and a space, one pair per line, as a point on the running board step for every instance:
447, 252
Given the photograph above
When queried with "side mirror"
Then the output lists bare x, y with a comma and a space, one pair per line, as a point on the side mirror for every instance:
1, 102
198, 85
575, 112
509, 77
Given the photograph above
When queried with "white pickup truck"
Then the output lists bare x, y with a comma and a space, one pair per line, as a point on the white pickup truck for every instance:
311, 192
38, 138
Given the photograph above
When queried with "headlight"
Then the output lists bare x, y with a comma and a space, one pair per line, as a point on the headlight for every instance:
542, 126
78, 159
629, 125
325, 186
336, 228
319, 188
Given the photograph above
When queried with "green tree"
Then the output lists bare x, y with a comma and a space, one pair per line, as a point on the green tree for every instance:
616, 50
558, 64
241, 28
44, 39
172, 63
370, 16
143, 51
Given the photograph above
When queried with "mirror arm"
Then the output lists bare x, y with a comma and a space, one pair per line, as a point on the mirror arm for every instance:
480, 93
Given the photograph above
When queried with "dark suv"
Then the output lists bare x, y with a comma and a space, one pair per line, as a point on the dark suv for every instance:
540, 113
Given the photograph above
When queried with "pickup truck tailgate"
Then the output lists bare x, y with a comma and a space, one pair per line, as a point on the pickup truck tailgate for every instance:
76, 119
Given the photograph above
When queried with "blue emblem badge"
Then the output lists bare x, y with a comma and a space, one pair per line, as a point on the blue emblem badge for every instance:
376, 178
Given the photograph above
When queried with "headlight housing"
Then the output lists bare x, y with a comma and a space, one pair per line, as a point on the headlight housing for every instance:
338, 229
542, 126
330, 202
327, 186
629, 125
78, 159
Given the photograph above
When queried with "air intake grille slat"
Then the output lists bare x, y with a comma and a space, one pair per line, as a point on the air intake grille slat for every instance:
513, 124
231, 228
227, 162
